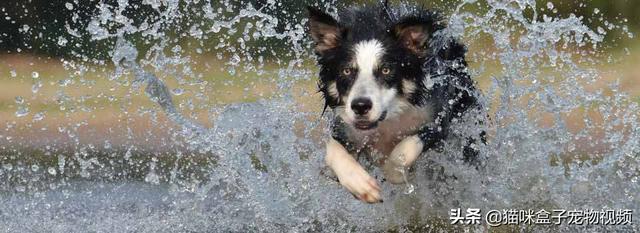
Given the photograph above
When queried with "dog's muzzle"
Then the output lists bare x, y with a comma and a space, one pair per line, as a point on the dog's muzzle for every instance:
364, 124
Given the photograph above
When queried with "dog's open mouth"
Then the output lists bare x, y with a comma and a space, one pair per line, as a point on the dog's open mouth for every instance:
367, 125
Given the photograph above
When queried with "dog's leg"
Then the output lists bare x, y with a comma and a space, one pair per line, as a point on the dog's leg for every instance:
351, 174
401, 158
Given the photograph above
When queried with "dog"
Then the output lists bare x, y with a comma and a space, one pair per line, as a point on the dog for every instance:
395, 82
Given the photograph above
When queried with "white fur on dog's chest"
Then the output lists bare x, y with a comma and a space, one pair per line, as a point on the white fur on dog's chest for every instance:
390, 132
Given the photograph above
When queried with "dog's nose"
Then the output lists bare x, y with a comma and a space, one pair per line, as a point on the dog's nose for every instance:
361, 106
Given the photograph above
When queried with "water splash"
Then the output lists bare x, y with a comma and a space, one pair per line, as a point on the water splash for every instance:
262, 159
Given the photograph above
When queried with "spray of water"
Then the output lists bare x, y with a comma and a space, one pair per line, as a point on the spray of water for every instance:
264, 157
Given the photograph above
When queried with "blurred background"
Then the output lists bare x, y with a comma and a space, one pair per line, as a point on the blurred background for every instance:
48, 20
55, 79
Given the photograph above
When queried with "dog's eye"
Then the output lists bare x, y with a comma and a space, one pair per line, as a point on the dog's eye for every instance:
386, 71
346, 71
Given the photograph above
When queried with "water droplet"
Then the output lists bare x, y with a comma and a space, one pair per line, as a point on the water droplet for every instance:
36, 87
69, 6
409, 189
35, 168
19, 100
178, 91
52, 171
35, 74
152, 177
61, 163
128, 154
62, 41
65, 82
601, 30
549, 5
231, 71
195, 31
176, 49
38, 116
22, 112
13, 73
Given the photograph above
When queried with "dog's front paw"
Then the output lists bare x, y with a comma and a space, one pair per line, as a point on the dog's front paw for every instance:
406, 152
350, 173
401, 158
360, 184
396, 174
326, 172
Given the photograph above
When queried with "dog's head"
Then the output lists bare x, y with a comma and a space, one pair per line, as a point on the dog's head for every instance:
370, 64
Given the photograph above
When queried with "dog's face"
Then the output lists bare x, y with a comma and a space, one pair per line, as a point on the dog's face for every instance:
371, 67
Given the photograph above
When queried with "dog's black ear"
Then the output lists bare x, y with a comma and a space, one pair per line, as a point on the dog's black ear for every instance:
324, 29
413, 34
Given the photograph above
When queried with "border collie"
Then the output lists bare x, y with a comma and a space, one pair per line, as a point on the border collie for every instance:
394, 82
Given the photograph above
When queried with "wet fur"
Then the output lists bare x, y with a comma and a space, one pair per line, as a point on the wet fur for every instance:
429, 80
